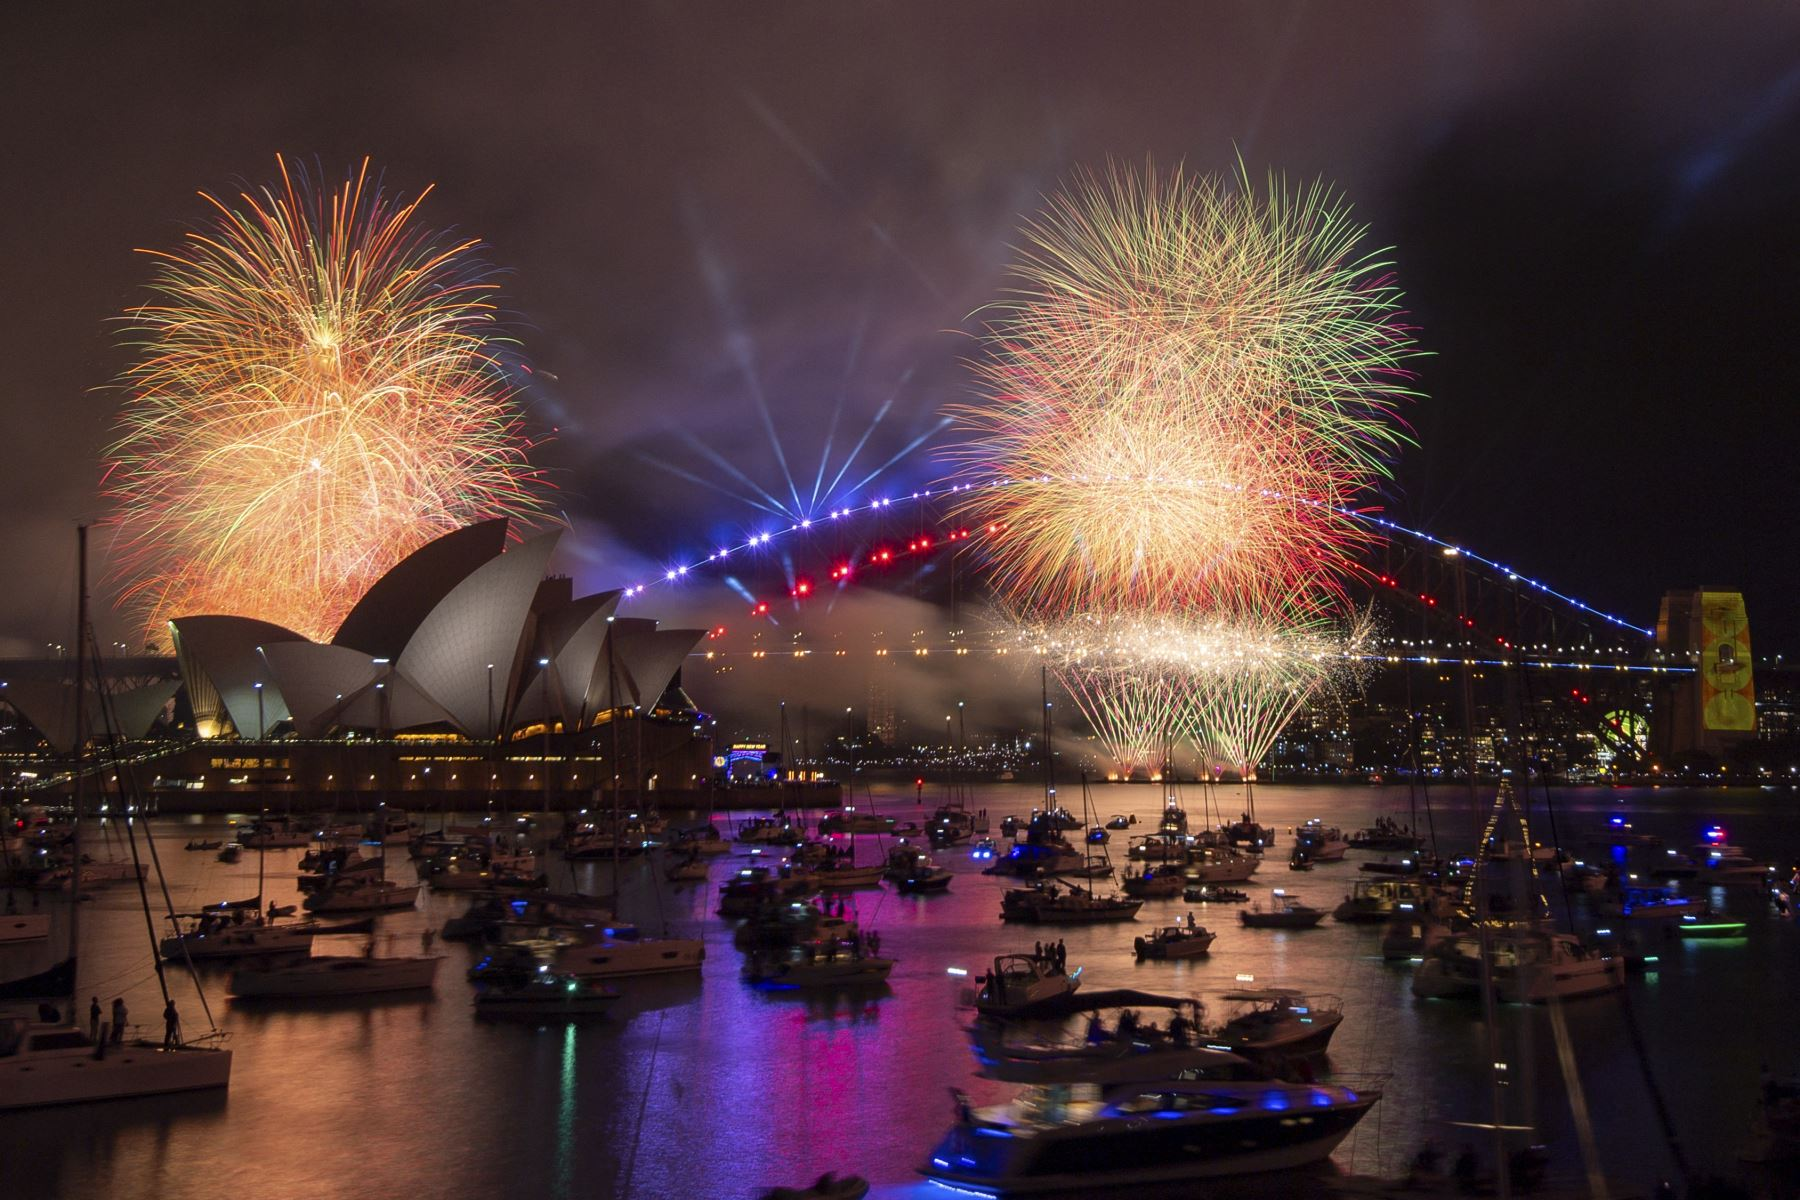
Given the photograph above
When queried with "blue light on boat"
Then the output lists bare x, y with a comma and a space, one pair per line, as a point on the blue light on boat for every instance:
983, 1131
1275, 1101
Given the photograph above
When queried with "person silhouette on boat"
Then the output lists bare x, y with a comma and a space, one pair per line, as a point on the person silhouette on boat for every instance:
94, 1018
119, 1016
171, 1026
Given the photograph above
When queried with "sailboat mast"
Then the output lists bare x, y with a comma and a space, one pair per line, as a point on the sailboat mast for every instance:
1049, 753
81, 737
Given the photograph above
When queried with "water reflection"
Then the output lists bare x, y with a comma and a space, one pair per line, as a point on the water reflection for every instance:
705, 1086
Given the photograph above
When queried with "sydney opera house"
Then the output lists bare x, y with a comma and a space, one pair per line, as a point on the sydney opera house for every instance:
465, 670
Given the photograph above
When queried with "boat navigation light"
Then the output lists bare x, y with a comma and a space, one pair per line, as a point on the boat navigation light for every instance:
1245, 977
957, 971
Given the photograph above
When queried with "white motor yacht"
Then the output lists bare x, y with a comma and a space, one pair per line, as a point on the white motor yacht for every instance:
618, 958
335, 975
1176, 941
1154, 1131
1284, 912
60, 1064
1220, 864
1020, 982
1277, 1021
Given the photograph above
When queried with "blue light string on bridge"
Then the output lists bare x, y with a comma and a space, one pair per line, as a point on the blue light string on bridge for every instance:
681, 571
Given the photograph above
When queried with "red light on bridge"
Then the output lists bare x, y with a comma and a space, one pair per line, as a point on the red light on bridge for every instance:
760, 609
803, 588
718, 631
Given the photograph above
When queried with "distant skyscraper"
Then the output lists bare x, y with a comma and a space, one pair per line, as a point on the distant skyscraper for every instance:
881, 705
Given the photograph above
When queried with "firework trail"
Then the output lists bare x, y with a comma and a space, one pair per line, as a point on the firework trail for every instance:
1230, 685
314, 397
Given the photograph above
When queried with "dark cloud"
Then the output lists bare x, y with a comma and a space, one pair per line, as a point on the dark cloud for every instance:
731, 229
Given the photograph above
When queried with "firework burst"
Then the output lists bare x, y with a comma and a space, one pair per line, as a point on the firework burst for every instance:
1188, 382
314, 397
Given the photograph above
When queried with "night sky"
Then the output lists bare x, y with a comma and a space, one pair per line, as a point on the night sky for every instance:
1593, 208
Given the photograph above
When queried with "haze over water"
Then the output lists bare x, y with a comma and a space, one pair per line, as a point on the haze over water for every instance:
710, 1088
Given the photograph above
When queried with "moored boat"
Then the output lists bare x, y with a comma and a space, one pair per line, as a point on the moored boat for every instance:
335, 975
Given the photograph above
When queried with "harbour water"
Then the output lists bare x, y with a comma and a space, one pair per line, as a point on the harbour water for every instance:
706, 1087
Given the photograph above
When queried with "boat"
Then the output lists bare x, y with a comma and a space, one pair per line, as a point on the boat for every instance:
1174, 819
1391, 866
1411, 935
703, 839
924, 876
542, 995
912, 870
619, 958
1078, 906
1098, 836
42, 1065
1118, 822
1693, 926
849, 820
24, 927
1159, 847
1320, 843
951, 824
1034, 859
753, 887
1378, 899
1528, 966
198, 845
363, 895
983, 850
770, 831
1020, 983
1247, 832
1284, 912
335, 975
1175, 941
1220, 864
1154, 884
1386, 834
276, 833
692, 869
231, 852
1146, 1132
1277, 1023
1207, 893
823, 963
838, 874
1653, 904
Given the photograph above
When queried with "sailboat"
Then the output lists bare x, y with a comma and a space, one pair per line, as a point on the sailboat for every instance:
1076, 905
45, 1063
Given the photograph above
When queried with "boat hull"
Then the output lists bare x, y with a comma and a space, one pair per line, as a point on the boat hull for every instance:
1129, 1152
26, 927
133, 1069
335, 976
618, 960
